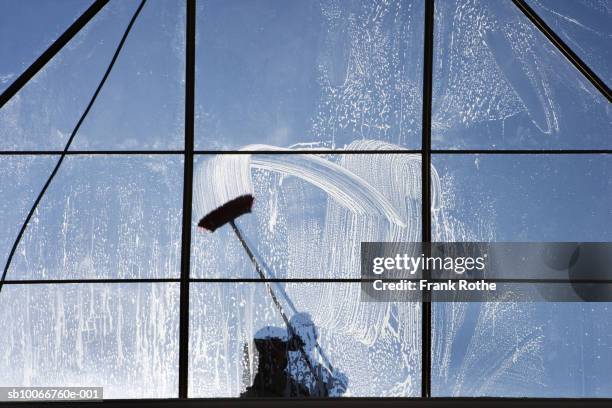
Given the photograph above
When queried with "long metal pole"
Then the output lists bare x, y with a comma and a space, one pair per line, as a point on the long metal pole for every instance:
278, 305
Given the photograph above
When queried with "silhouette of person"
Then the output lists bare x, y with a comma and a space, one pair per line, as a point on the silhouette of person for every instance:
282, 370
271, 379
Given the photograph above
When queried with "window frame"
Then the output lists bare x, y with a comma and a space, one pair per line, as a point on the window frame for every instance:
426, 151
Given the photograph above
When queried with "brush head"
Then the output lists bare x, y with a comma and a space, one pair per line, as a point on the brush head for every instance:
227, 212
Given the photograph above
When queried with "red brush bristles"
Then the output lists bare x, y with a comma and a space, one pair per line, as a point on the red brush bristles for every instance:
227, 212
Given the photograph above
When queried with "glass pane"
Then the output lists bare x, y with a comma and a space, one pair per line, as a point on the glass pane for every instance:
308, 74
21, 179
523, 349
526, 197
311, 212
27, 28
585, 27
43, 113
120, 337
499, 83
376, 346
104, 217
142, 104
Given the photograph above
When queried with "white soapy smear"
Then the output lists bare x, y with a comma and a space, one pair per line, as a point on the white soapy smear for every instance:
311, 213
481, 349
370, 70
366, 198
463, 96
377, 345
229, 177
101, 218
122, 337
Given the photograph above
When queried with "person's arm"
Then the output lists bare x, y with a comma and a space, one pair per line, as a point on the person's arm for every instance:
336, 383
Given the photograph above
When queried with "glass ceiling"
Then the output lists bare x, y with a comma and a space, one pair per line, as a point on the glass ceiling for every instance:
342, 83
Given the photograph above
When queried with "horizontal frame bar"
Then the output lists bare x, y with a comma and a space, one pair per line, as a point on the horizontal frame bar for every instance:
175, 280
88, 281
88, 153
415, 402
285, 152
523, 152
288, 280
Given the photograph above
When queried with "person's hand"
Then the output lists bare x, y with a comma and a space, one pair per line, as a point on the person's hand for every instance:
340, 382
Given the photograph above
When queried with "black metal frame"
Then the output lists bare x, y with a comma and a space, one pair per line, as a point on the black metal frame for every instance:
571, 56
189, 153
51, 51
74, 132
297, 151
336, 402
428, 53
187, 198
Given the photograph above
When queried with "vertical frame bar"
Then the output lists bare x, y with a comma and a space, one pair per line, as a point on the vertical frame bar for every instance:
187, 196
426, 194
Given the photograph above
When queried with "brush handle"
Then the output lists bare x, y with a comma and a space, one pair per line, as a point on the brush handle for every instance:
274, 298
261, 265
264, 267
